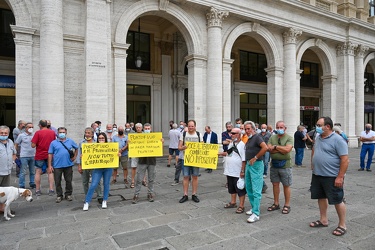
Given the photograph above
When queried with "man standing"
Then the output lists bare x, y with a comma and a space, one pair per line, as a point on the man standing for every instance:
7, 156
191, 136
16, 132
226, 137
299, 145
146, 164
85, 173
266, 158
27, 155
59, 154
174, 137
42, 140
280, 146
209, 137
368, 141
49, 126
255, 149
122, 139
329, 164
109, 132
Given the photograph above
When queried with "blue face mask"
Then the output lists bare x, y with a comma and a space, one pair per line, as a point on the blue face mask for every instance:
280, 131
109, 131
237, 125
62, 135
181, 126
3, 137
147, 131
319, 130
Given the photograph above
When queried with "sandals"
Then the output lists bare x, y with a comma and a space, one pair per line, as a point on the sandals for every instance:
126, 181
144, 183
339, 231
230, 205
240, 210
286, 210
317, 223
113, 181
273, 207
132, 185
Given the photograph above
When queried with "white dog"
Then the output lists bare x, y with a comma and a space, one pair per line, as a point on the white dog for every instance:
10, 194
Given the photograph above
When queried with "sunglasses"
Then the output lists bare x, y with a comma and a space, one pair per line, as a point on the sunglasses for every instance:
233, 133
279, 141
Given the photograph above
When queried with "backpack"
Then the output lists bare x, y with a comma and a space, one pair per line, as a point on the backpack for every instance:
184, 135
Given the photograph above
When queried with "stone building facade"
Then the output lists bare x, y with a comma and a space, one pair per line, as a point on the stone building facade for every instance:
212, 61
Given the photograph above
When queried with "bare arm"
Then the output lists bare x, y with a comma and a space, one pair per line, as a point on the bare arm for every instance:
344, 163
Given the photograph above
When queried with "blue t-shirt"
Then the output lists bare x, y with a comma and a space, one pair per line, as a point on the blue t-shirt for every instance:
327, 152
61, 157
122, 141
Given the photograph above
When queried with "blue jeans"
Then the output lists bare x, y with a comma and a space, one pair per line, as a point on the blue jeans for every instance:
367, 148
254, 184
27, 163
299, 156
96, 175
266, 160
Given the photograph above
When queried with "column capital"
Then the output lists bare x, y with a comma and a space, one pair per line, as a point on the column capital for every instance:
346, 48
361, 50
291, 35
119, 49
215, 17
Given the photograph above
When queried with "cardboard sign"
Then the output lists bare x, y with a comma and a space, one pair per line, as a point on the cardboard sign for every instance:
100, 155
202, 155
145, 144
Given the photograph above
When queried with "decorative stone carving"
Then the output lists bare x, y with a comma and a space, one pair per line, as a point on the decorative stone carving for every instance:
163, 4
347, 48
361, 50
215, 17
291, 35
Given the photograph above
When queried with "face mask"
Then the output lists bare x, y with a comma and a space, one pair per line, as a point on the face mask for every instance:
109, 131
319, 130
88, 138
127, 130
181, 126
280, 131
243, 132
62, 135
3, 137
264, 130
48, 126
249, 136
147, 131
368, 128
238, 125
114, 129
30, 130
97, 130
229, 130
235, 139
120, 132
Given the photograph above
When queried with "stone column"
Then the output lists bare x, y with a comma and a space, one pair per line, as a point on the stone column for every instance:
51, 62
197, 92
236, 106
274, 95
119, 56
291, 88
24, 67
227, 93
360, 89
180, 86
156, 107
329, 96
346, 83
214, 86
97, 61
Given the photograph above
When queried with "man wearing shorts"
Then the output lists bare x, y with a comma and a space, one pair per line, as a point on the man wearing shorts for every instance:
329, 164
280, 146
191, 136
174, 137
7, 156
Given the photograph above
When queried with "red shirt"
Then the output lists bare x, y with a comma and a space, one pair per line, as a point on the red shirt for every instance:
42, 139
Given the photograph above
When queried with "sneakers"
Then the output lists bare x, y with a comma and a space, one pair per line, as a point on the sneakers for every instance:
150, 198
250, 212
68, 198
253, 218
86, 206
135, 199
175, 183
32, 186
195, 198
58, 199
184, 198
51, 193
38, 193
104, 204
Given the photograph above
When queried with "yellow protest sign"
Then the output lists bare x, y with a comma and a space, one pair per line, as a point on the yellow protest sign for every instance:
145, 144
100, 155
201, 155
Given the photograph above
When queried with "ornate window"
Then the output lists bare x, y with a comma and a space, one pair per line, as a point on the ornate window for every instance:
310, 75
252, 66
139, 46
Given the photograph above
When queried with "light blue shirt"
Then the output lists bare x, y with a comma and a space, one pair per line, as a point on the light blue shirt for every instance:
61, 157
6, 157
24, 142
122, 141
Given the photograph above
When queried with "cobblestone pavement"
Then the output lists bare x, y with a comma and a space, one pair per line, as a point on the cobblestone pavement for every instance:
167, 224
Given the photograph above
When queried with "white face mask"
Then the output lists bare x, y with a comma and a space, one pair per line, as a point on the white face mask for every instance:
263, 130
243, 132
30, 130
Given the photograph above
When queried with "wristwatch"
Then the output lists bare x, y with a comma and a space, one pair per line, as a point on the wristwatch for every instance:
256, 158
274, 147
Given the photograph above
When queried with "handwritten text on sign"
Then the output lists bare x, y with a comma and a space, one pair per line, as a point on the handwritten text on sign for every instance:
145, 144
100, 155
201, 155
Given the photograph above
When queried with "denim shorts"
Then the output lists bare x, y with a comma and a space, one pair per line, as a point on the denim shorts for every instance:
323, 187
174, 151
283, 175
187, 170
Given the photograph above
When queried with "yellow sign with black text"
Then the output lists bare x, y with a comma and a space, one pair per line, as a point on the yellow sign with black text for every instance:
202, 155
145, 144
100, 155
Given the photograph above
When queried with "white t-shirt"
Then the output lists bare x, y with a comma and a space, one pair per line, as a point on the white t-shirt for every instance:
370, 134
190, 138
233, 162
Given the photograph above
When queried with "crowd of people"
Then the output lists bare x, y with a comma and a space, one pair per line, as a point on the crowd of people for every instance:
248, 151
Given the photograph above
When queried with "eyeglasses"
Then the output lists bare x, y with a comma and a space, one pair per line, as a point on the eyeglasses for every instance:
318, 125
233, 133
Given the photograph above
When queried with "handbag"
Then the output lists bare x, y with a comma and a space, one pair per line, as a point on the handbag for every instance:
278, 163
71, 152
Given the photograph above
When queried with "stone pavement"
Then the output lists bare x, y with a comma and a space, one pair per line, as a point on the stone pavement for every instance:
167, 224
